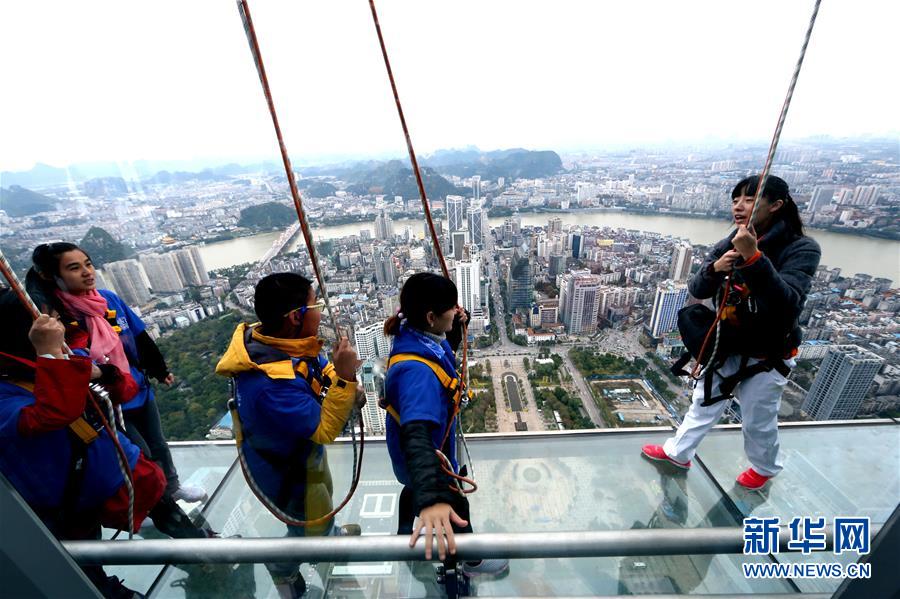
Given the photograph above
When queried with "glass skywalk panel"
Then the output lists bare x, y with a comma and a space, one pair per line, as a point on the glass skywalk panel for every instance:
528, 483
829, 470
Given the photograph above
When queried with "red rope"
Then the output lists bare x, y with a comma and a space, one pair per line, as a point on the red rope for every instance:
409, 146
250, 31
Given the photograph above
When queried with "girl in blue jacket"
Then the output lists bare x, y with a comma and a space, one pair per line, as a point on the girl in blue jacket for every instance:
420, 415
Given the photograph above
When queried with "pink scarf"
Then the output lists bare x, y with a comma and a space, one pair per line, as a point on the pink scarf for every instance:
105, 344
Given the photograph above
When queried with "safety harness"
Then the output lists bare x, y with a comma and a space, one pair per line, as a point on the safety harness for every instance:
293, 471
732, 323
458, 395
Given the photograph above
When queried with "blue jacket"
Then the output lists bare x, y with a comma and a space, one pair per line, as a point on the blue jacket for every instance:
414, 391
287, 416
38, 465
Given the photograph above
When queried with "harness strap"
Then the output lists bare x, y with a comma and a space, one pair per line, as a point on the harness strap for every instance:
80, 427
744, 372
450, 384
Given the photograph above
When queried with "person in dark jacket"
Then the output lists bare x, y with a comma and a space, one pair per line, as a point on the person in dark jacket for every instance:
291, 402
109, 330
54, 449
768, 266
420, 416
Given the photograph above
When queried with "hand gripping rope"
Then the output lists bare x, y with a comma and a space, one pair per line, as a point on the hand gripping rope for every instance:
96, 391
698, 371
244, 9
426, 208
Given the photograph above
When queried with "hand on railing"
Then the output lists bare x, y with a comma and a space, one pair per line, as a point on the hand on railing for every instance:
437, 519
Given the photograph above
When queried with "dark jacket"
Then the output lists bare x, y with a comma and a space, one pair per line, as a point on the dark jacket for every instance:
779, 282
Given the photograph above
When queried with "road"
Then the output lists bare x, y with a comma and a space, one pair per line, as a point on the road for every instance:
587, 399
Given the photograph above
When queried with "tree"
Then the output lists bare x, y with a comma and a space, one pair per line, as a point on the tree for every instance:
526, 363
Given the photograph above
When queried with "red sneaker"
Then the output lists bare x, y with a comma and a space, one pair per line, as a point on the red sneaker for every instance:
751, 479
656, 453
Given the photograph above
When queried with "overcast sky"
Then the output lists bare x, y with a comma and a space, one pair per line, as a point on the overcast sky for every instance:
122, 81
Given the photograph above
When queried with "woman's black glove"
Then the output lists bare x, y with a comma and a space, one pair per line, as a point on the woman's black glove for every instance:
455, 335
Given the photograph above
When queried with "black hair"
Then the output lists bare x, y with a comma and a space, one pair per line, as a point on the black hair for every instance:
775, 189
422, 293
16, 322
277, 294
40, 281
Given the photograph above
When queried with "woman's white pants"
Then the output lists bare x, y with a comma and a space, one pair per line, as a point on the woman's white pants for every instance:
759, 398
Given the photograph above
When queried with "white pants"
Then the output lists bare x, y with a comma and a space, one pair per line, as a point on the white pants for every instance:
760, 398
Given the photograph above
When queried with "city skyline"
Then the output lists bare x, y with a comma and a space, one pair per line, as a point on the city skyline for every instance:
165, 101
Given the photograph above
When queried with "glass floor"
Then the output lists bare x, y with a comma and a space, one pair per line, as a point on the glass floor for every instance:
560, 482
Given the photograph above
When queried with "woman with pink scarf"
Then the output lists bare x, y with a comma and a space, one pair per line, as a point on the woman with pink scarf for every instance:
101, 325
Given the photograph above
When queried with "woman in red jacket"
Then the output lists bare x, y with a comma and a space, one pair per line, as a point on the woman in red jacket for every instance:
54, 447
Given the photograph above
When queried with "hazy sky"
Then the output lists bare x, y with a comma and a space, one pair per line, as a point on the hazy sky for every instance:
174, 80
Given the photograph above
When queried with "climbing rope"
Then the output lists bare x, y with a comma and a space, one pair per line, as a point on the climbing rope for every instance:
426, 208
250, 31
776, 137
699, 371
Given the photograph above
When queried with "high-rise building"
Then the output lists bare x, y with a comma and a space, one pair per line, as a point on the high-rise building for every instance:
458, 241
680, 268
476, 187
162, 273
844, 197
844, 378
438, 229
373, 387
468, 281
130, 281
865, 195
102, 281
670, 298
456, 213
190, 266
385, 268
579, 302
520, 282
476, 222
821, 197
576, 242
554, 225
384, 226
557, 264
371, 342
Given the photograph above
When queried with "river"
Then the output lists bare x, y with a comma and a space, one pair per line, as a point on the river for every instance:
852, 253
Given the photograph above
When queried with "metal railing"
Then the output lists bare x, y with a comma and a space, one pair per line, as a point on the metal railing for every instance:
640, 542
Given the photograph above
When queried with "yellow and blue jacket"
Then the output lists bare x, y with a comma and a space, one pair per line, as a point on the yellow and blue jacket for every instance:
291, 403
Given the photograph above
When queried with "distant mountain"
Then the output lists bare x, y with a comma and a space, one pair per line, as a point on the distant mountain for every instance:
317, 189
37, 176
18, 201
394, 179
516, 163
103, 247
104, 187
267, 216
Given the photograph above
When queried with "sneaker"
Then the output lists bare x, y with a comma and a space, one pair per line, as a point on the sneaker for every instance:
113, 588
751, 479
291, 588
349, 530
189, 494
485, 566
658, 454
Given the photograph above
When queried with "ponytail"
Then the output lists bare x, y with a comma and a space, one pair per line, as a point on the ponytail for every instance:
392, 325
